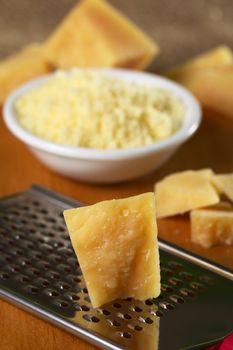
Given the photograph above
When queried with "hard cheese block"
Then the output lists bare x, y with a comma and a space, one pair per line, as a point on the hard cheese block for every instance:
116, 245
224, 184
94, 34
218, 57
212, 226
181, 192
28, 63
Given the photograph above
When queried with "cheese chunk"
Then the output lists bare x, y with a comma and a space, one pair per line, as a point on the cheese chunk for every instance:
26, 64
212, 226
224, 184
94, 34
217, 57
181, 192
116, 245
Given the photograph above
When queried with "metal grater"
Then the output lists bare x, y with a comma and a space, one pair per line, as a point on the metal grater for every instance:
39, 272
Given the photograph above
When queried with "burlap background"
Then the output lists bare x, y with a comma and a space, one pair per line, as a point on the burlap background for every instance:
182, 28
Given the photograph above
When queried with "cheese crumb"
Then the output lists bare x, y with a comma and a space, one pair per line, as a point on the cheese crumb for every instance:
89, 109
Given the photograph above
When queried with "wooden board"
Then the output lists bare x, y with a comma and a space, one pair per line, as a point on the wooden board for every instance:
210, 147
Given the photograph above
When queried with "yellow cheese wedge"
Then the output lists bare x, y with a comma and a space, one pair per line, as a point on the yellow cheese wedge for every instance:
219, 56
94, 34
116, 245
211, 226
181, 192
26, 64
224, 184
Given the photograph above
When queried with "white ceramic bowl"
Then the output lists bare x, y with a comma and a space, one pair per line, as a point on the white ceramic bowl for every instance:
106, 166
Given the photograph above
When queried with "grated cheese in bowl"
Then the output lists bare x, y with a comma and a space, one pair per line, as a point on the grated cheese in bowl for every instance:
90, 109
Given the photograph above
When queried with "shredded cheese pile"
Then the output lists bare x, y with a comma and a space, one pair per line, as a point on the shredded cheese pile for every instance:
89, 109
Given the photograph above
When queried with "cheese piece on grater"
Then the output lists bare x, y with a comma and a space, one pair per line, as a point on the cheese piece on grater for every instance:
224, 184
213, 225
181, 192
94, 34
20, 67
116, 245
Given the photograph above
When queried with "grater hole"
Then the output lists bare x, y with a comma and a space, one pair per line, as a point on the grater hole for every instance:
61, 303
55, 258
91, 318
126, 335
117, 305
165, 288
186, 292
128, 299
10, 242
65, 268
7, 258
73, 261
146, 320
50, 219
175, 281
136, 309
36, 255
114, 323
63, 286
177, 299
43, 282
54, 275
52, 293
74, 278
82, 307
33, 216
44, 211
14, 268
104, 312
166, 306
44, 264
32, 289
157, 313
57, 244
32, 230
84, 290
28, 244
72, 296
17, 252
138, 328
186, 275
59, 228
47, 247
25, 262
175, 265
4, 275
66, 237
127, 316
167, 272
67, 252
149, 302
34, 272
197, 286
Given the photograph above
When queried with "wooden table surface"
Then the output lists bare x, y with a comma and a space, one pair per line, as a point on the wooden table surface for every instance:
210, 147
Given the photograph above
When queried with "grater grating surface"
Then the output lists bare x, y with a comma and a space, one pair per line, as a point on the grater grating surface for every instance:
39, 272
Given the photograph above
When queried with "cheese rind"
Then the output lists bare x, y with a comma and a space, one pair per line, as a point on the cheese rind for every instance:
181, 192
94, 34
212, 226
116, 245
